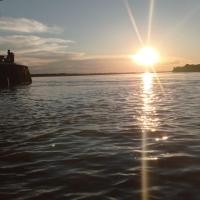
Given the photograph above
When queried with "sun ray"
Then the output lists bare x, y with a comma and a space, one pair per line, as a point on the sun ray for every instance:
158, 80
151, 11
180, 25
145, 195
133, 21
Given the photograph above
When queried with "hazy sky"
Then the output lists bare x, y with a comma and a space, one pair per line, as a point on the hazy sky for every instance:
97, 35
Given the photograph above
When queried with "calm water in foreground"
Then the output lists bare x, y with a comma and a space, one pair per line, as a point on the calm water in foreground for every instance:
102, 137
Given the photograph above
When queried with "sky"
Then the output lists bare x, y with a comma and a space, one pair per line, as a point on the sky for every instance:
99, 36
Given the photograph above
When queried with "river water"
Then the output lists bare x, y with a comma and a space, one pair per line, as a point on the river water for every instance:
113, 137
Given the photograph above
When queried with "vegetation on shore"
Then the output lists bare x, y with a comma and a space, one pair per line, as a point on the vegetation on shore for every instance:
187, 68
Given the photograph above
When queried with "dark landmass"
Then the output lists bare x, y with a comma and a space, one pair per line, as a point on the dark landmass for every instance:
187, 68
12, 75
74, 74
85, 74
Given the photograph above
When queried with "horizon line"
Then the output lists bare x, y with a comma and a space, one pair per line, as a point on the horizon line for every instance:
89, 74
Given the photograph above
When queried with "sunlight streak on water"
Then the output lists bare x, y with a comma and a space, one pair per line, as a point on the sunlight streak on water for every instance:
147, 121
180, 25
147, 124
159, 82
144, 168
147, 81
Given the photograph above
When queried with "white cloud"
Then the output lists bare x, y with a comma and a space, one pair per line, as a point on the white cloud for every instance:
35, 50
24, 25
31, 43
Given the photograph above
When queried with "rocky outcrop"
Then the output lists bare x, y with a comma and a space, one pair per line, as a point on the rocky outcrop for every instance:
12, 75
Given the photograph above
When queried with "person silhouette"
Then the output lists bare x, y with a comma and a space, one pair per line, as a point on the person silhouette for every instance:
10, 57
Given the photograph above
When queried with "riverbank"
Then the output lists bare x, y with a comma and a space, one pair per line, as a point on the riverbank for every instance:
87, 74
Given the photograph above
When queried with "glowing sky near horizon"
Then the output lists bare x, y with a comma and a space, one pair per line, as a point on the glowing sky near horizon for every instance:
97, 35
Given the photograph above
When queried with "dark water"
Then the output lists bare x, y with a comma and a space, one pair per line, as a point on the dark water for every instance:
102, 137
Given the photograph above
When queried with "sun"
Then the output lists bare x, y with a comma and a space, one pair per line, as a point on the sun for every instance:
146, 56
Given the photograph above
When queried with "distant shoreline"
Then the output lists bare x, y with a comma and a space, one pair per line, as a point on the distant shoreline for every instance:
187, 68
88, 74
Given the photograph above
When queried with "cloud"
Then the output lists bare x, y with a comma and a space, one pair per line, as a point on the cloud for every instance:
89, 64
31, 43
35, 50
24, 25
42, 59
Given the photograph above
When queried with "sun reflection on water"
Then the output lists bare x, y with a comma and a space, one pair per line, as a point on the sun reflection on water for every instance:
148, 120
147, 123
147, 82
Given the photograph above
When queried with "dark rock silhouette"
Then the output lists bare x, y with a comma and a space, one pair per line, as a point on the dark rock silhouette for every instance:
12, 74
187, 68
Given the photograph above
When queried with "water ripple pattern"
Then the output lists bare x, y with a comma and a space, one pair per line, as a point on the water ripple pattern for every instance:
83, 138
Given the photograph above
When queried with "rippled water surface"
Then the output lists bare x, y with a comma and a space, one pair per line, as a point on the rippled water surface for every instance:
102, 137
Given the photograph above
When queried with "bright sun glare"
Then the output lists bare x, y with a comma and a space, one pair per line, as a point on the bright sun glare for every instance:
146, 56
